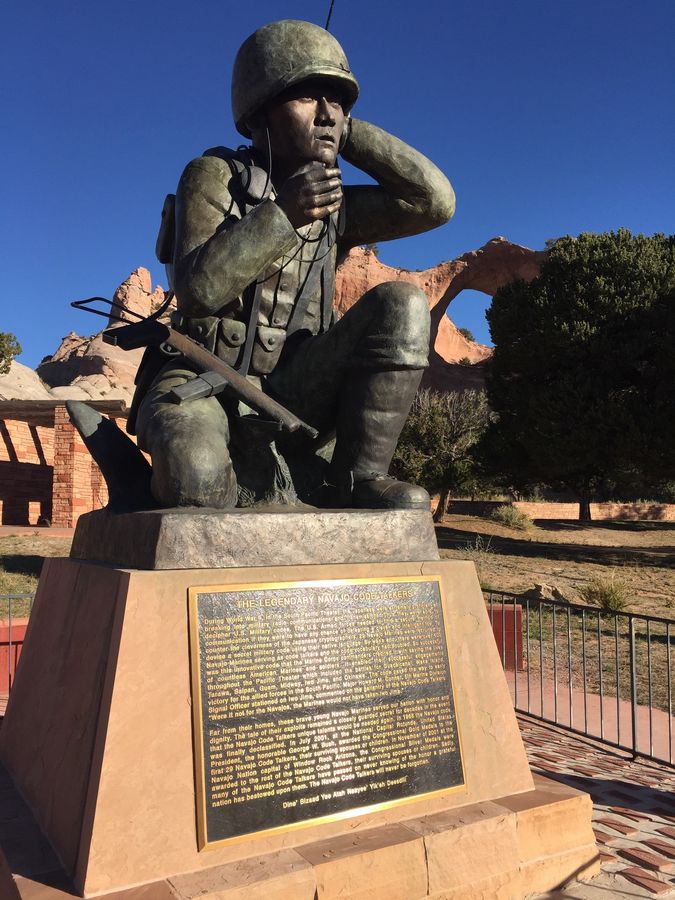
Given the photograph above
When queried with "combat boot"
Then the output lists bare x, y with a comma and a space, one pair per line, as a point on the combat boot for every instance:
373, 410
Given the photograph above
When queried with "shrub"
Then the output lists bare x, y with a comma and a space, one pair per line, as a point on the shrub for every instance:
434, 449
9, 348
610, 594
512, 517
467, 333
464, 361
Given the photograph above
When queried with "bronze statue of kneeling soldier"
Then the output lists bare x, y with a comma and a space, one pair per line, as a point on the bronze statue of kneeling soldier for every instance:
251, 242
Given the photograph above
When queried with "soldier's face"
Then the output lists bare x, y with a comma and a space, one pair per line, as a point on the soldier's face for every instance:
306, 123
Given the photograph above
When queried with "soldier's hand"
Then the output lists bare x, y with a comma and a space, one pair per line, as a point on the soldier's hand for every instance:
313, 193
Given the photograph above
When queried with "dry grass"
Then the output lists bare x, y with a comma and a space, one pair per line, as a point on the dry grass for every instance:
569, 556
21, 558
573, 557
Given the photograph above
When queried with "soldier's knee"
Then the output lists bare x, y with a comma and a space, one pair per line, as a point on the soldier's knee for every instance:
402, 324
192, 468
403, 295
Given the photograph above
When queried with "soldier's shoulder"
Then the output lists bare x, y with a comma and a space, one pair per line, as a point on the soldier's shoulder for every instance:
211, 163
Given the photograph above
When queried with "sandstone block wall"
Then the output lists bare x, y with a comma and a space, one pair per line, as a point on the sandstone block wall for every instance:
26, 472
546, 509
47, 474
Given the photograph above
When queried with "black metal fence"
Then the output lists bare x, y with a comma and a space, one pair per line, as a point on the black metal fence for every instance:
608, 675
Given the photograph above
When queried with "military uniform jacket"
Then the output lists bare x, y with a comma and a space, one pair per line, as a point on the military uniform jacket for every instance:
236, 259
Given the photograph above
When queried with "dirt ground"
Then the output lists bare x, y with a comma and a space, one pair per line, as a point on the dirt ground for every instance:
567, 555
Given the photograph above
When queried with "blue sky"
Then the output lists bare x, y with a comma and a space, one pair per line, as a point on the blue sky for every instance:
548, 118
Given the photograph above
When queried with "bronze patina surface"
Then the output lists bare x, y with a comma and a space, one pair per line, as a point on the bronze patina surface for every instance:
251, 243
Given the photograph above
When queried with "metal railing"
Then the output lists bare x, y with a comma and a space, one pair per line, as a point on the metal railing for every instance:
14, 613
607, 675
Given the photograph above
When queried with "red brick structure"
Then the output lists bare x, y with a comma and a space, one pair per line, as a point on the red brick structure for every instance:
46, 473
26, 471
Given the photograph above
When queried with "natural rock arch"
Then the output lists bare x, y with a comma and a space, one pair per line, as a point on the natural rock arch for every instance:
487, 269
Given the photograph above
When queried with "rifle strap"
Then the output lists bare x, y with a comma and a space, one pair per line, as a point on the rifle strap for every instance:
251, 328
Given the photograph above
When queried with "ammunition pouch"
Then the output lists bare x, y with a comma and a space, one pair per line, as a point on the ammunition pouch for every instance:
204, 331
227, 337
230, 339
267, 349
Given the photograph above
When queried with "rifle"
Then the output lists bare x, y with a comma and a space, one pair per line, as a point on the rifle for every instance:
215, 375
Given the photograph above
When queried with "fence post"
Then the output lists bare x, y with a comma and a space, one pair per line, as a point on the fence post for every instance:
633, 681
9, 646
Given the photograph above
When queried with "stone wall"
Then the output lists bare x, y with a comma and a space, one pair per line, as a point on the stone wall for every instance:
47, 475
545, 509
655, 512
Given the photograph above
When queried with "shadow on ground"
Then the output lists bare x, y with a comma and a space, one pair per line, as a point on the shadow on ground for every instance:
624, 794
458, 539
636, 526
18, 564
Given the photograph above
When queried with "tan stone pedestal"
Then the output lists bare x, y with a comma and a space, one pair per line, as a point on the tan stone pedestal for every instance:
98, 740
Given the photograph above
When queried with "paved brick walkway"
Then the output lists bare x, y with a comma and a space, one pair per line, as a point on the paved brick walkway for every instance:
633, 811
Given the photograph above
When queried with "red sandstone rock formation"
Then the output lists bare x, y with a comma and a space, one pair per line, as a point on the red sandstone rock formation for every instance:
495, 264
87, 368
136, 295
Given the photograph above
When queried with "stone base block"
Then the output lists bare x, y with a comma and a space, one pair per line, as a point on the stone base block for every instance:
481, 851
385, 863
276, 876
277, 536
98, 731
98, 734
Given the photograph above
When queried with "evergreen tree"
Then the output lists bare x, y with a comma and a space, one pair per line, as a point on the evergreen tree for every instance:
575, 373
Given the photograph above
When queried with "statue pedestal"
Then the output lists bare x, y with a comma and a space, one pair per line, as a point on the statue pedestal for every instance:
98, 739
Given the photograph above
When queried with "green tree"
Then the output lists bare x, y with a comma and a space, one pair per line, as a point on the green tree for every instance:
434, 449
9, 348
467, 333
574, 375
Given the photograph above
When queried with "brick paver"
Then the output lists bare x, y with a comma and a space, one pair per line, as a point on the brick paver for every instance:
643, 879
633, 811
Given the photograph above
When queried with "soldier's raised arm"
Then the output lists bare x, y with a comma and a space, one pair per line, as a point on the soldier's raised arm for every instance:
412, 194
218, 253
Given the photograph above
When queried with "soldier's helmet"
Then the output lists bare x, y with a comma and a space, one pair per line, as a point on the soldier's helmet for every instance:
281, 54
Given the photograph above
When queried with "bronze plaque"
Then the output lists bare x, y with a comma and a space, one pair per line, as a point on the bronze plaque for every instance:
313, 700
